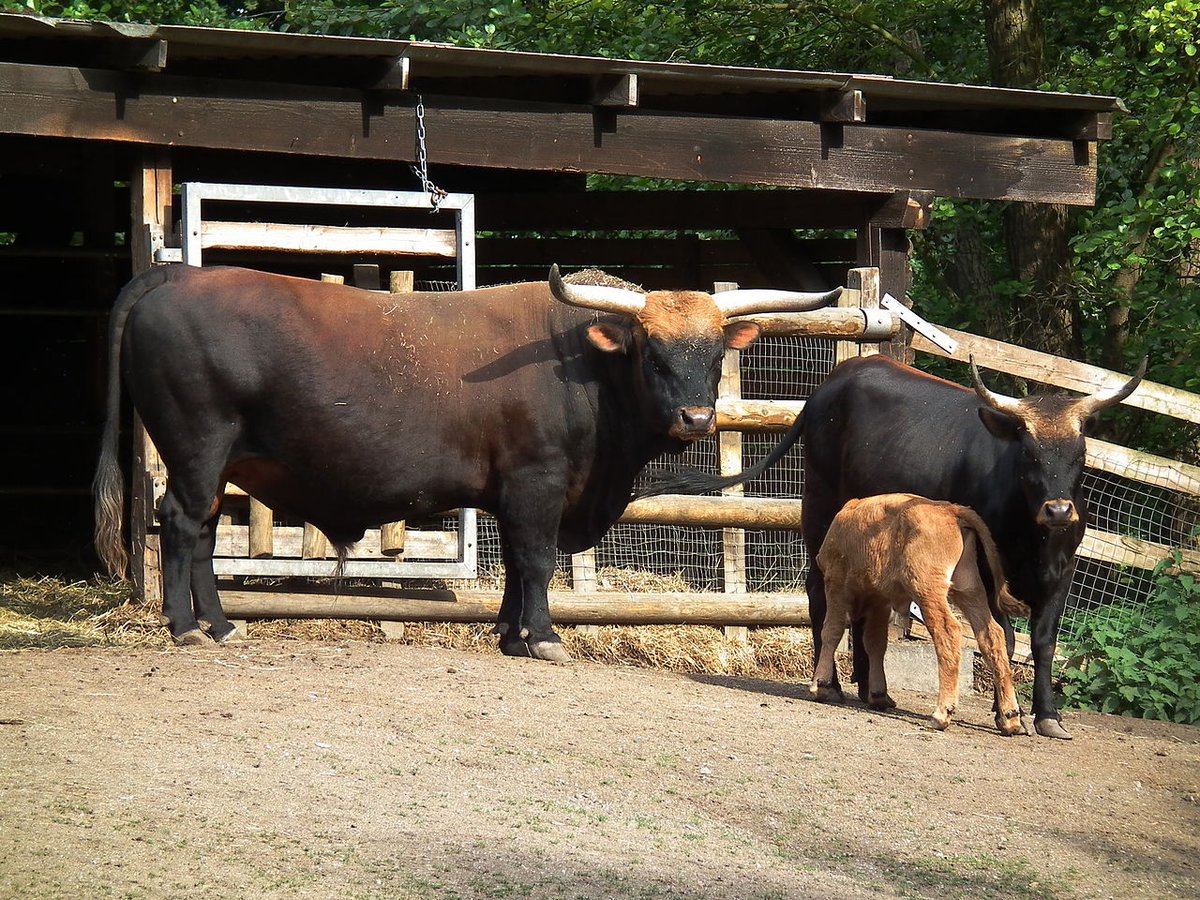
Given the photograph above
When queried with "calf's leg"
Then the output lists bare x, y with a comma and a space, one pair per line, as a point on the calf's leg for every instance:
825, 685
990, 637
946, 636
875, 636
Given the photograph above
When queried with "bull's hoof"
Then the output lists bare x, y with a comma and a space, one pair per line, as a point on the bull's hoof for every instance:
880, 701
194, 638
511, 645
1052, 728
827, 693
232, 636
551, 651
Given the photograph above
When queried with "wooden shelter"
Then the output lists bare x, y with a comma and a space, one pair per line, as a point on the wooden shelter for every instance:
100, 124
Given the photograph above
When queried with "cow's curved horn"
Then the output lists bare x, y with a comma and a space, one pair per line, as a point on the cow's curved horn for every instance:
595, 296
995, 401
1091, 405
745, 302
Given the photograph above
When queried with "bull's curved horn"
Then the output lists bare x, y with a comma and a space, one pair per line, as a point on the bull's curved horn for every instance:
1091, 405
595, 296
995, 401
745, 302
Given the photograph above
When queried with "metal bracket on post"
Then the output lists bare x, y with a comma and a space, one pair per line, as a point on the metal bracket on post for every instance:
917, 324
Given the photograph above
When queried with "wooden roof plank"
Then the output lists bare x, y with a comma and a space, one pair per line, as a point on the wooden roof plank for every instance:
214, 113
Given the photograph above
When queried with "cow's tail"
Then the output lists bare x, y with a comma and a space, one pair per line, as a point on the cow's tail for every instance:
693, 481
1001, 598
108, 486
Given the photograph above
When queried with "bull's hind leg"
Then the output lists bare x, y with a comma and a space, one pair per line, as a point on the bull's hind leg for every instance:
180, 533
205, 602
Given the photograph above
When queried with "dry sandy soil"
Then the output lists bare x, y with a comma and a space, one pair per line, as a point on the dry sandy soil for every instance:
382, 770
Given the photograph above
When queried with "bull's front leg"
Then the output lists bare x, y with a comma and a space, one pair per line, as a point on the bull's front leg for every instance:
1043, 640
528, 539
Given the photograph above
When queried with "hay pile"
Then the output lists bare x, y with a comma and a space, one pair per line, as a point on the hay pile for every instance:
47, 612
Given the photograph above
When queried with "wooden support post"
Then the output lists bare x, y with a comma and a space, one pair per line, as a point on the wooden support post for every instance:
887, 249
391, 535
262, 530
729, 448
865, 282
333, 279
151, 220
313, 544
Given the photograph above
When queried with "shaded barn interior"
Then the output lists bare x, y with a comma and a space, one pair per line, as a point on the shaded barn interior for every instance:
777, 178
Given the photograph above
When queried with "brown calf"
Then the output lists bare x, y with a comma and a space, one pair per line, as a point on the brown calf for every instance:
885, 551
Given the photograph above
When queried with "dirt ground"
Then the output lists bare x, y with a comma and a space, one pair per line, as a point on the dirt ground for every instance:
283, 769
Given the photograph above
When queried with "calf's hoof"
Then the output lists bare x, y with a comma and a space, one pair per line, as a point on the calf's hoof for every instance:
1052, 728
827, 693
940, 720
1012, 722
194, 638
880, 701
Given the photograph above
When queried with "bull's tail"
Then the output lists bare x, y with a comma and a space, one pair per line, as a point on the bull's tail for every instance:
693, 481
108, 486
1000, 597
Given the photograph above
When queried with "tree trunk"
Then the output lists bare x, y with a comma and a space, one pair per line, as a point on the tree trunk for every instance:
1036, 235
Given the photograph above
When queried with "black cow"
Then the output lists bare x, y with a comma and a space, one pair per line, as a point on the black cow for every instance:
350, 409
875, 426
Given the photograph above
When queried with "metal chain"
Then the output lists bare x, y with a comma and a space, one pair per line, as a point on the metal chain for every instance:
421, 169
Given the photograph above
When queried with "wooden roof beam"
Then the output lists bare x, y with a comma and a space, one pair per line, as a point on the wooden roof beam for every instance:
94, 104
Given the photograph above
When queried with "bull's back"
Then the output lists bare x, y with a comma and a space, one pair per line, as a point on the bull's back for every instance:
354, 399
877, 427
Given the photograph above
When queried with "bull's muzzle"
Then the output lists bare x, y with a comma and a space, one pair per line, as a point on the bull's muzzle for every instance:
692, 422
1057, 514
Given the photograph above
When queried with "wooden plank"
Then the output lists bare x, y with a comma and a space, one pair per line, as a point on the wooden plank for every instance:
715, 512
95, 104
1130, 551
287, 543
567, 607
729, 453
313, 544
326, 238
1144, 467
618, 91
691, 209
261, 534
1076, 376
757, 415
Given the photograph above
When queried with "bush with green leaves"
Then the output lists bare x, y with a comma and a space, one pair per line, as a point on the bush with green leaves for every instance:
1140, 660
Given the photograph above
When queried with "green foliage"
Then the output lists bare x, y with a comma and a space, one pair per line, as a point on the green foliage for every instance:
160, 12
1140, 661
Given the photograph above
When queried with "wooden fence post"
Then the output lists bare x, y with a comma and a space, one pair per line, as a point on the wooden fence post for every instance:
729, 450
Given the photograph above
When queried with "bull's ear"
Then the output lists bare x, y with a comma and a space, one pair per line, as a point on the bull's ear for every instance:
740, 335
608, 337
1089, 423
1002, 425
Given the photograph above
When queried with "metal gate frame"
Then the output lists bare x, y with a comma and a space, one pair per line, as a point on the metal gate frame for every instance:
199, 234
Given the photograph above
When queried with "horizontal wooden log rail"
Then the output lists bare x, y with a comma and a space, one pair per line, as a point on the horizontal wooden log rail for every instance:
714, 512
567, 607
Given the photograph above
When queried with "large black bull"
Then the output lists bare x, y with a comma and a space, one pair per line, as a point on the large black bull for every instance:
875, 426
536, 402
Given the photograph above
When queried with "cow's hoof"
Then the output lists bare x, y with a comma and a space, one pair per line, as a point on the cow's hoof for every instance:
194, 638
880, 701
1052, 728
513, 646
551, 651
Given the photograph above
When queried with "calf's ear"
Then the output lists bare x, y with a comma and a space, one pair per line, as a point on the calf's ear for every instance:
1002, 425
608, 337
740, 335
